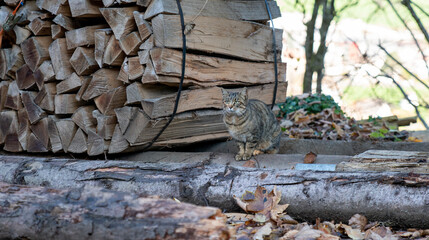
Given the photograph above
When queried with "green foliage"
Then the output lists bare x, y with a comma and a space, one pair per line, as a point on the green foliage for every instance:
380, 133
311, 104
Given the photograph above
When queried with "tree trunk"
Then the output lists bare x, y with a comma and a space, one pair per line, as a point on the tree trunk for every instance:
212, 179
309, 45
94, 213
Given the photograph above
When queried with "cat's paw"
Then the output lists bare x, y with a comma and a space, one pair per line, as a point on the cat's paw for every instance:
257, 152
246, 157
238, 157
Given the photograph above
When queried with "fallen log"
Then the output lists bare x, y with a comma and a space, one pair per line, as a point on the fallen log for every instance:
94, 213
212, 179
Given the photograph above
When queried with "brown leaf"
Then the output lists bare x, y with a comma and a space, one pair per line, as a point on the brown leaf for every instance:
263, 176
249, 164
358, 221
310, 157
262, 202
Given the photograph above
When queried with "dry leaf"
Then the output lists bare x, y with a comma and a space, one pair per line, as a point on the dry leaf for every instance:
249, 164
310, 157
263, 176
354, 234
263, 231
358, 221
260, 218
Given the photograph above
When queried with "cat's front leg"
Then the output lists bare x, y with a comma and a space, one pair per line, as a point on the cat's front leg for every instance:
240, 153
250, 147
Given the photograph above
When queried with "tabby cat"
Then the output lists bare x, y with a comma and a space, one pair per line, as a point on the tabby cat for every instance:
251, 123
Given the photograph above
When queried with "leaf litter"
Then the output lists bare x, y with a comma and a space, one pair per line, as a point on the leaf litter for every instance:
266, 219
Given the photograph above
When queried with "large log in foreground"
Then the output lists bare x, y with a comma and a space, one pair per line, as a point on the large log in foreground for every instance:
95, 213
212, 179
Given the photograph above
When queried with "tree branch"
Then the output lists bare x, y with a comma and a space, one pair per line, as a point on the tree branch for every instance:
407, 4
420, 8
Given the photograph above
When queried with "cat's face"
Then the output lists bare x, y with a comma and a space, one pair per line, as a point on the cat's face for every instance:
234, 102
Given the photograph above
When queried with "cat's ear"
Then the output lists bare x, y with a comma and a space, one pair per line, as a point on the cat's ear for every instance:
243, 93
224, 93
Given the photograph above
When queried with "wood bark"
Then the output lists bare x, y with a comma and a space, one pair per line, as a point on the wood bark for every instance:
245, 40
95, 213
207, 178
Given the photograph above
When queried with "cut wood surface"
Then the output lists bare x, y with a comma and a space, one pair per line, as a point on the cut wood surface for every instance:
83, 61
102, 81
78, 143
105, 124
66, 104
71, 84
35, 113
144, 27
40, 27
25, 78
10, 61
101, 38
208, 178
103, 214
21, 34
234, 10
84, 8
13, 98
82, 36
130, 43
210, 71
57, 31
107, 102
84, 119
113, 54
3, 93
65, 22
120, 20
66, 130
207, 98
60, 57
240, 39
35, 50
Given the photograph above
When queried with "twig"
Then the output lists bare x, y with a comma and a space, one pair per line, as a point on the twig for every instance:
403, 67
411, 32
407, 4
420, 8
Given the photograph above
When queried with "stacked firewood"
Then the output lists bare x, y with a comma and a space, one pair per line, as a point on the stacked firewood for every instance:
92, 76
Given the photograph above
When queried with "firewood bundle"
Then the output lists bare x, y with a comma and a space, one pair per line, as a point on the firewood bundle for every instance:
92, 76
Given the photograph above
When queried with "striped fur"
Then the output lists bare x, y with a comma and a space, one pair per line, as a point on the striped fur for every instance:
251, 123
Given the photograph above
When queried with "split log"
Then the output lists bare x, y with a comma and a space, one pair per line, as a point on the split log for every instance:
12, 144
84, 8
71, 84
144, 56
96, 144
120, 20
12, 60
82, 36
24, 128
21, 34
107, 102
84, 119
130, 43
118, 143
35, 51
234, 10
41, 132
101, 39
66, 104
60, 57
57, 31
136, 69
8, 124
45, 98
143, 3
135, 93
207, 178
85, 82
54, 136
141, 130
25, 78
56, 7
13, 99
113, 54
35, 113
207, 98
66, 130
240, 39
105, 124
78, 143
38, 14
83, 61
212, 71
117, 215
65, 22
148, 43
4, 85
144, 27
124, 72
40, 27
44, 73
102, 81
